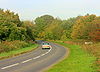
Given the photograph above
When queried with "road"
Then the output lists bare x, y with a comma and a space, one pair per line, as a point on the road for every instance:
34, 61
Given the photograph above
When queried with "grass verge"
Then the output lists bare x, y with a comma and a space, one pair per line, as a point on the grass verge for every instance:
78, 61
18, 52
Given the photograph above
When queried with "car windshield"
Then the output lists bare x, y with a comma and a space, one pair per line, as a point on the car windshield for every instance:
45, 43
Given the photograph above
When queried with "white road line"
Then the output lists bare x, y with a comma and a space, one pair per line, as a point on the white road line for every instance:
36, 57
26, 61
10, 66
42, 54
46, 53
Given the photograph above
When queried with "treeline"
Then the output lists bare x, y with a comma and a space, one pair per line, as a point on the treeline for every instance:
11, 28
81, 27
14, 34
47, 27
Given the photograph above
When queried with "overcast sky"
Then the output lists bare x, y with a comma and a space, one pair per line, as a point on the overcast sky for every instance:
30, 9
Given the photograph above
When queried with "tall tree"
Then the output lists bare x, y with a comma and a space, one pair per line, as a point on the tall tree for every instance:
29, 26
80, 29
10, 26
42, 22
87, 27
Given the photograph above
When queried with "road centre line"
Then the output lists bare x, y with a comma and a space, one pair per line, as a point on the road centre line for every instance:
36, 57
26, 60
10, 66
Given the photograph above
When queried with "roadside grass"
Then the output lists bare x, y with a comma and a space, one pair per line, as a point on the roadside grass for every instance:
77, 61
95, 50
18, 51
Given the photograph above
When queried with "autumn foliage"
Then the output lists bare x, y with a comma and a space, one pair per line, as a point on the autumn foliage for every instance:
87, 27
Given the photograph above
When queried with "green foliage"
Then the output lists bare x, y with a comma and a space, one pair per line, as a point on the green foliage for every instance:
42, 23
54, 29
67, 26
30, 29
48, 27
80, 27
11, 28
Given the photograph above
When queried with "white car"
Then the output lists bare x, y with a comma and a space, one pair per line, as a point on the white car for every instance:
45, 45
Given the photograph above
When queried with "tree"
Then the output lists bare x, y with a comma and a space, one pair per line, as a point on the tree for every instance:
54, 30
80, 29
67, 26
10, 26
95, 30
29, 26
42, 22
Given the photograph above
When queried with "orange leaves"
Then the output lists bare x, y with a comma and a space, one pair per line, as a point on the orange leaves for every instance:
95, 35
87, 27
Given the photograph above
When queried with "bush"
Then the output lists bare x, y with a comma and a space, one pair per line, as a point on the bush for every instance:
7, 46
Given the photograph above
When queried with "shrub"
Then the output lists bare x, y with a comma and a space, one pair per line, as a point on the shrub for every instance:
7, 46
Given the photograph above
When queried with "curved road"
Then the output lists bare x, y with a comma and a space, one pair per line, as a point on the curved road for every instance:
34, 61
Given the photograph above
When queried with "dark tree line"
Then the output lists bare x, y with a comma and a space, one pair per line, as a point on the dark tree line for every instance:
11, 28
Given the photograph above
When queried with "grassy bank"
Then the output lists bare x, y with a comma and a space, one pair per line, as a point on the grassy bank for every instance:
18, 51
77, 61
7, 46
93, 49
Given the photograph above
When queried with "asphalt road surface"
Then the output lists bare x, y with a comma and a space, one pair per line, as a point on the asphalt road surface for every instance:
35, 61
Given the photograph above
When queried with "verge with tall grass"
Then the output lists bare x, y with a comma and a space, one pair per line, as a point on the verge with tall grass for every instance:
13, 48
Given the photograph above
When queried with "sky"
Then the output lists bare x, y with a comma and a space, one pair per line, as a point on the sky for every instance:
63, 9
